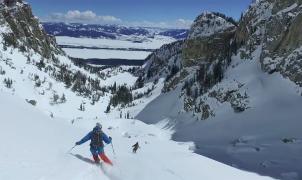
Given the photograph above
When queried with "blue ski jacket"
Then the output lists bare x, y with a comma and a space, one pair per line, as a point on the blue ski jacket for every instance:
105, 138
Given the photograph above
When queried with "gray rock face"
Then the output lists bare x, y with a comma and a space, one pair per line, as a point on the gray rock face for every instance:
196, 64
276, 27
160, 62
203, 50
208, 45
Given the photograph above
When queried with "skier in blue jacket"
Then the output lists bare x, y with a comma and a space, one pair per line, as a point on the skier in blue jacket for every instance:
97, 136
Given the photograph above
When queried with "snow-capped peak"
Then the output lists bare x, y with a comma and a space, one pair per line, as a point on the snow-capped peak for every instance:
209, 23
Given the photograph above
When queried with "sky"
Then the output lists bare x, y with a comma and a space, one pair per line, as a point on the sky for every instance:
161, 13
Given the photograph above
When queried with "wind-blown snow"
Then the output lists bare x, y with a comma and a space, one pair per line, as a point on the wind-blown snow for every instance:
33, 146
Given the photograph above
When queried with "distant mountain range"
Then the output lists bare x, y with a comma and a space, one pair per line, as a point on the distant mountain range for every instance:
109, 31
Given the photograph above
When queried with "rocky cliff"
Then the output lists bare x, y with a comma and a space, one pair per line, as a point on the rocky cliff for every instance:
276, 27
24, 30
200, 59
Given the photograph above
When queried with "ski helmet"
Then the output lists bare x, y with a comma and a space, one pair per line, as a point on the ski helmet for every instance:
98, 125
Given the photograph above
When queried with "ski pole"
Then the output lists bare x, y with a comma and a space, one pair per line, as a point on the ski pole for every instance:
72, 148
113, 149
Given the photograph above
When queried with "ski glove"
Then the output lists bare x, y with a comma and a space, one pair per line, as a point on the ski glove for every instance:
110, 138
77, 143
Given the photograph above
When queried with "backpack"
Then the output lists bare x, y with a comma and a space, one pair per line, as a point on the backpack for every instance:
96, 139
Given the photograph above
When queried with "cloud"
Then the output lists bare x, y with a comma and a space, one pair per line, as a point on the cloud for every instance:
89, 17
76, 16
183, 23
178, 24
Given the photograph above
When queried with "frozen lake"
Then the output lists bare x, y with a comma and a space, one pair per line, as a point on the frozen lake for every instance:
87, 48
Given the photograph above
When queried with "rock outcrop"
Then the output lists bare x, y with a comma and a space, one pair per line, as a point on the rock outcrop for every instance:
209, 23
24, 30
160, 62
275, 27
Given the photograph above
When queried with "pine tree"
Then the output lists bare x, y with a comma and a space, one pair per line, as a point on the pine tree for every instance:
188, 91
63, 98
128, 115
82, 107
218, 72
108, 108
140, 82
114, 88
2, 72
55, 98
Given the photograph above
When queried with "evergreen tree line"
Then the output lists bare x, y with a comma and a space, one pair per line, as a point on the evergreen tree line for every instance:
56, 99
229, 19
205, 78
122, 95
77, 81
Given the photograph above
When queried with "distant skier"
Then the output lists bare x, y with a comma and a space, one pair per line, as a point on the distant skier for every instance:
97, 136
135, 147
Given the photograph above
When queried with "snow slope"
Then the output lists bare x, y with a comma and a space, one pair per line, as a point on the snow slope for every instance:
33, 146
250, 140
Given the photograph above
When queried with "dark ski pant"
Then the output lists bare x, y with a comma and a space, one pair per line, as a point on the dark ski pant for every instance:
99, 151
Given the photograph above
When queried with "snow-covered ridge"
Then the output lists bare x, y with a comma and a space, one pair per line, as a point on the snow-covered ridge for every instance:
110, 31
